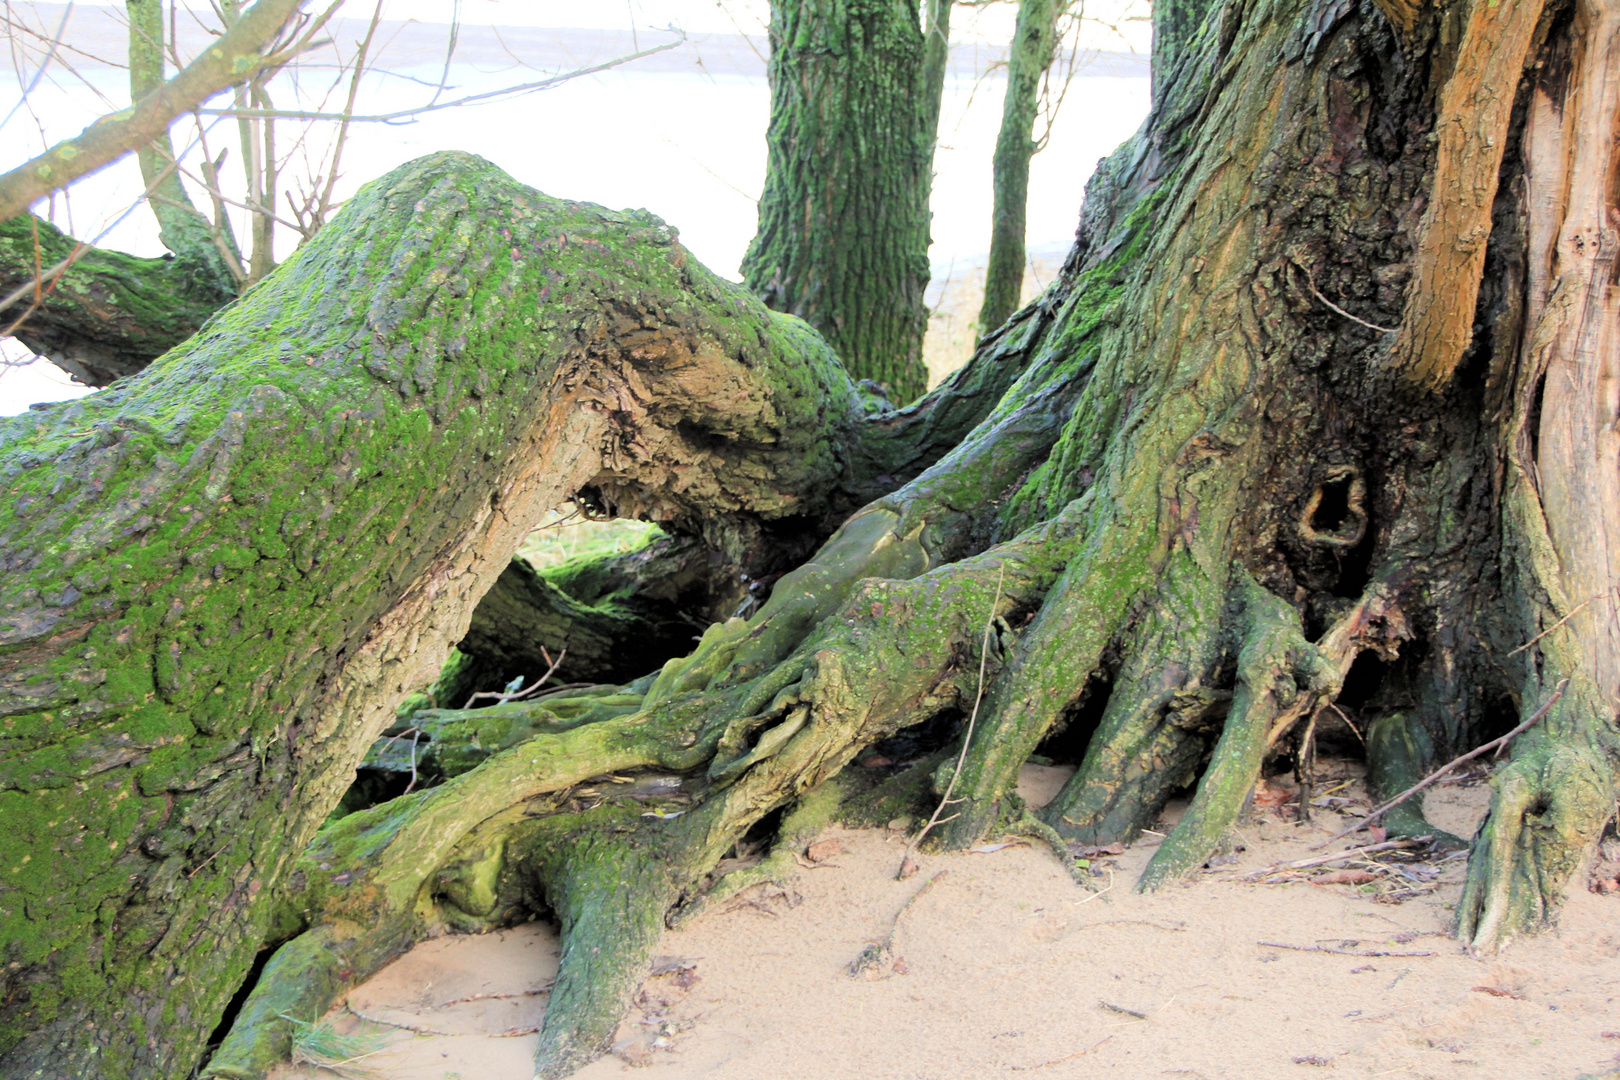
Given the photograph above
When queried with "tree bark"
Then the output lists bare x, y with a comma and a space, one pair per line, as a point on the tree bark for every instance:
1034, 40
843, 220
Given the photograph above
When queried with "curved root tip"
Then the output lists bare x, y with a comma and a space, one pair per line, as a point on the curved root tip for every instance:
1549, 808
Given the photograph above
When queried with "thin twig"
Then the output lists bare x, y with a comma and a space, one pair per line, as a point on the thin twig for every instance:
518, 695
1324, 860
406, 114
416, 734
1065, 1057
1444, 769
1334, 705
536, 992
967, 735
421, 1029
1311, 278
1340, 952
1556, 625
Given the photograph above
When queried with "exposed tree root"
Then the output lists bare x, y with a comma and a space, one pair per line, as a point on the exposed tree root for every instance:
813, 812
1396, 761
1278, 673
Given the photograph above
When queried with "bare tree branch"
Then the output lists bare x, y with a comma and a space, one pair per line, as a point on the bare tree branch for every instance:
233, 59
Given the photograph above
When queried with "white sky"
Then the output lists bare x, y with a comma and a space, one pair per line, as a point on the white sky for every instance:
688, 145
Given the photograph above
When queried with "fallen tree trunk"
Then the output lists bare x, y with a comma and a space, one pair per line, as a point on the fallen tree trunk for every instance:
222, 575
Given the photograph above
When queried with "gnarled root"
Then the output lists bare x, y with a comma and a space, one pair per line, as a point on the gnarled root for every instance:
1396, 755
1280, 675
654, 798
1156, 725
1548, 810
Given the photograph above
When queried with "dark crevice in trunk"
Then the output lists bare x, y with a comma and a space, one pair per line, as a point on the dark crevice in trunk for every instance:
1069, 737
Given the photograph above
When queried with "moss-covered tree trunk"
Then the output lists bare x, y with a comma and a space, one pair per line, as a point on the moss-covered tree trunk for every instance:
1324, 383
843, 219
221, 576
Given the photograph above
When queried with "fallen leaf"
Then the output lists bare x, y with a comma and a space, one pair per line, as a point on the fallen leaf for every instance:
1497, 991
1313, 1059
663, 965
1086, 852
986, 849
822, 850
1266, 795
1345, 877
1378, 833
908, 867
876, 761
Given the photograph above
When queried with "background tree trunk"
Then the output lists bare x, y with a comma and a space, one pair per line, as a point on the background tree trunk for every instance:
843, 219
1034, 41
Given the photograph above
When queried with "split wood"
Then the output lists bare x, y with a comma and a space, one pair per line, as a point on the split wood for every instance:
1384, 808
1340, 952
1324, 860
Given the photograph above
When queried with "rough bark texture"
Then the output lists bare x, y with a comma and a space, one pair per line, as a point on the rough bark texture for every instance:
1034, 39
1186, 498
843, 219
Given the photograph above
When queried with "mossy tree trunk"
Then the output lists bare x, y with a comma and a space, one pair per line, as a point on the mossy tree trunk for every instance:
1248, 440
843, 219
221, 575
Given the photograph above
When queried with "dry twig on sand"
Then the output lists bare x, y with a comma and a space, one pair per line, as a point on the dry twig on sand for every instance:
1340, 952
1384, 808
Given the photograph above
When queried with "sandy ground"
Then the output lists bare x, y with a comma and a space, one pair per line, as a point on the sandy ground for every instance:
1005, 966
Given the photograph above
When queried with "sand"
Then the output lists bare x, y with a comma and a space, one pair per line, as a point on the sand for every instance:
1006, 967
